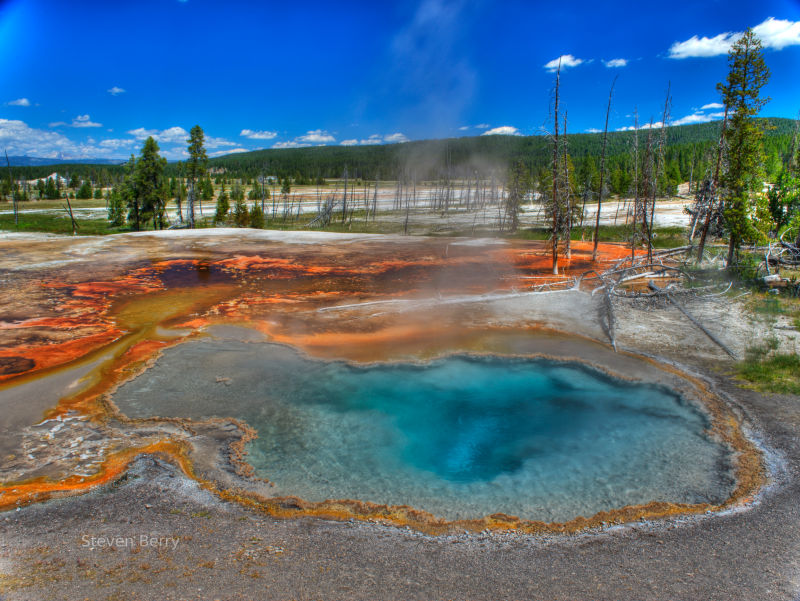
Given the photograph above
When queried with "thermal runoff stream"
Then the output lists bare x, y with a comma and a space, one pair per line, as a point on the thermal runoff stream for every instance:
460, 437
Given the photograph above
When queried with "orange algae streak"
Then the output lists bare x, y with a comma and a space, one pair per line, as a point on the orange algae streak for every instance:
51, 355
14, 495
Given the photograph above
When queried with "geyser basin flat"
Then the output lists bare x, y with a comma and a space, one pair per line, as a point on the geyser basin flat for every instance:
460, 437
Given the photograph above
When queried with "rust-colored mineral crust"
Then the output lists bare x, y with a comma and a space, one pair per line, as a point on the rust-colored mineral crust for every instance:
364, 300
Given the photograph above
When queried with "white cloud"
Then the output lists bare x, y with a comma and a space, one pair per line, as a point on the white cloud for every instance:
696, 117
703, 47
482, 126
464, 128
19, 102
79, 121
778, 33
116, 90
593, 130
212, 142
395, 138
291, 144
773, 33
504, 130
375, 139
566, 60
693, 118
20, 139
228, 151
616, 62
171, 135
712, 105
177, 135
258, 134
141, 133
316, 136
310, 138
84, 121
655, 125
115, 143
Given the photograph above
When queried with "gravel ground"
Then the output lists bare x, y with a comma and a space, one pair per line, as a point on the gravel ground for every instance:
224, 551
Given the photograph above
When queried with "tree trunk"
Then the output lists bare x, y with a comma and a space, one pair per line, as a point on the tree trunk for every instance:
602, 174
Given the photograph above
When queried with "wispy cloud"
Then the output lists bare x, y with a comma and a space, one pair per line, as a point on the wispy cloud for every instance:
691, 118
254, 134
79, 121
21, 139
19, 102
616, 62
219, 153
593, 130
116, 91
176, 135
773, 33
395, 138
115, 143
566, 60
171, 135
212, 142
479, 126
503, 130
313, 137
711, 106
290, 144
84, 121
375, 139
428, 67
316, 136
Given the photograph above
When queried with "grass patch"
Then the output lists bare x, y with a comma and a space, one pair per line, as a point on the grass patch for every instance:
663, 237
57, 224
771, 372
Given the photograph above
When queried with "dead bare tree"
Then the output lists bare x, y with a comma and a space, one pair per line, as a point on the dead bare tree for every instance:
659, 168
344, 196
602, 174
556, 216
568, 197
11, 191
714, 188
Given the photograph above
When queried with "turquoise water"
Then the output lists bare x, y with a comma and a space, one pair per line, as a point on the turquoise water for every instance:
460, 437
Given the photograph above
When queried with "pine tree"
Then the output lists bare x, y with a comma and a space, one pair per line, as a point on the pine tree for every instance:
223, 207
257, 216
148, 182
241, 216
85, 191
116, 208
748, 73
195, 166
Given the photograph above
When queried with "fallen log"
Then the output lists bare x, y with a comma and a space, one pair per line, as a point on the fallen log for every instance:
689, 316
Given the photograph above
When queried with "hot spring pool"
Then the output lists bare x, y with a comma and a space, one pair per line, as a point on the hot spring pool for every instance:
461, 437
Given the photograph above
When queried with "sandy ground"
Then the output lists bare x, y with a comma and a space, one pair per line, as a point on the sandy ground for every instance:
198, 547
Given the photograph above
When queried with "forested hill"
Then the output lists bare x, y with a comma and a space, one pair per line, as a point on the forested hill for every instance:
690, 150
685, 143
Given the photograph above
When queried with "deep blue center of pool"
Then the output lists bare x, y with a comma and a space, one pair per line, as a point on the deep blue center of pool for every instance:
461, 436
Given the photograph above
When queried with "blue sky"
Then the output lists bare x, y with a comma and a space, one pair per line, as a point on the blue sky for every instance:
92, 79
